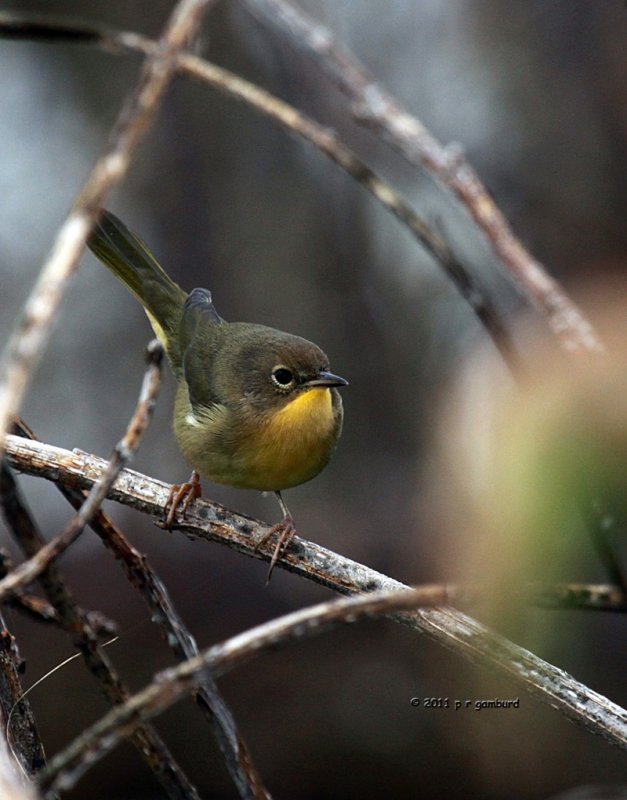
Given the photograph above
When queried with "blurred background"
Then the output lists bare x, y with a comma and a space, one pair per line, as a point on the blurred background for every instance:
535, 92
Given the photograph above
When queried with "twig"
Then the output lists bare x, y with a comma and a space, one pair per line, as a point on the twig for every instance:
375, 107
122, 453
74, 622
323, 139
451, 628
237, 757
168, 686
27, 746
26, 344
40, 610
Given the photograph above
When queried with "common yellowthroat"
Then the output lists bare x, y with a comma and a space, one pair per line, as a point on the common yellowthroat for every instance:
255, 408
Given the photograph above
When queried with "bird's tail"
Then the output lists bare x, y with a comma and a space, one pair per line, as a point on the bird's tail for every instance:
132, 263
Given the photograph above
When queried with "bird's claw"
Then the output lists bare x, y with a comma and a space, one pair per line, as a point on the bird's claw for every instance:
181, 495
286, 531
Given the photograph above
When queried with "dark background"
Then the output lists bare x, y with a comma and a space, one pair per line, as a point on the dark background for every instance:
536, 94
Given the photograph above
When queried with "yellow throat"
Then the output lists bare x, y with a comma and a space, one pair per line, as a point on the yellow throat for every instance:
295, 443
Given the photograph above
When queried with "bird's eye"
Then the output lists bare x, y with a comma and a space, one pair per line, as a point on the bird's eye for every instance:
282, 377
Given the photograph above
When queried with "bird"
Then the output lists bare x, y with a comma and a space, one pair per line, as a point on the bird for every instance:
255, 408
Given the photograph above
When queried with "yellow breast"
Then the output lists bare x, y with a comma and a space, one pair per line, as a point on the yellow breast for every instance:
295, 443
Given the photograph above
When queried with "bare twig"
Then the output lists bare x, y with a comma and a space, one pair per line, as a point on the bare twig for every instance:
123, 452
26, 743
451, 628
31, 333
40, 610
144, 579
374, 106
322, 138
168, 686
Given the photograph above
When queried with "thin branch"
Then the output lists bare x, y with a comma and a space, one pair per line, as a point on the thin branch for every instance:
322, 138
28, 571
30, 335
162, 611
375, 107
40, 610
171, 684
450, 627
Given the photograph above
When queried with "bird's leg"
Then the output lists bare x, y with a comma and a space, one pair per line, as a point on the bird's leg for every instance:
286, 531
182, 493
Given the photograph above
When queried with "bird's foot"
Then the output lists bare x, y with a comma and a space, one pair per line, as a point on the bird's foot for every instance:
181, 495
286, 531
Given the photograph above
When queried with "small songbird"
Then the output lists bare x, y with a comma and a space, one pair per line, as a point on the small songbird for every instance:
255, 408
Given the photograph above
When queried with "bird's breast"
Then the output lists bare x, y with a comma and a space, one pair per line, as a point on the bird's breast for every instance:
294, 443
267, 452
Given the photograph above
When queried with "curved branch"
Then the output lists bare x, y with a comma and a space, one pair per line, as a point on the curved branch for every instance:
375, 107
294, 121
169, 685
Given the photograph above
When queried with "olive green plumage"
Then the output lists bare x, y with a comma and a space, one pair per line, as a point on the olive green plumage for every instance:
255, 407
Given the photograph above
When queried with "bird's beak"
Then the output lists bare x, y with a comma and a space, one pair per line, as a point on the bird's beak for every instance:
327, 379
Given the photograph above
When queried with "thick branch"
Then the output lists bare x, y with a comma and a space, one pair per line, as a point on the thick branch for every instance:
448, 626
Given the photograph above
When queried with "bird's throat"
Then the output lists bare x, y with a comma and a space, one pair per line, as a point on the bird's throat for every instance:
310, 413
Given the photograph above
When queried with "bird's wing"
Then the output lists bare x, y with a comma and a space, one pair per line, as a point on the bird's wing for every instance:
197, 340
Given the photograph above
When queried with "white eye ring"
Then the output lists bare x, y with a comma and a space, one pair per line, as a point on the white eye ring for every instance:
283, 377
